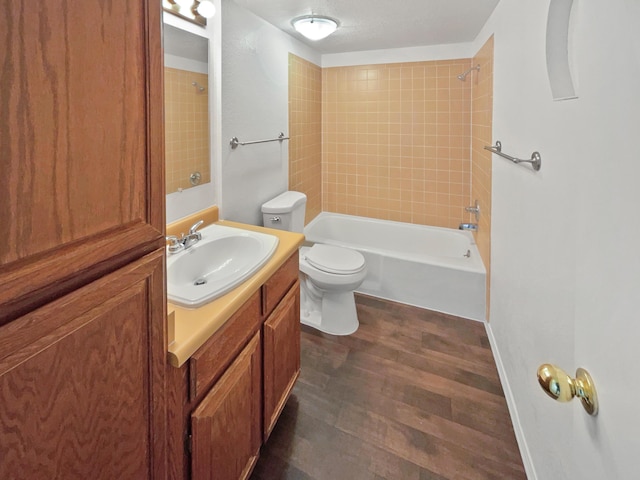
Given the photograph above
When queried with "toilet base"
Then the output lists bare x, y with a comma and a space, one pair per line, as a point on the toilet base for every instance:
334, 313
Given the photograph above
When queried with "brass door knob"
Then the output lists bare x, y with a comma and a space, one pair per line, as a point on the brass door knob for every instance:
560, 386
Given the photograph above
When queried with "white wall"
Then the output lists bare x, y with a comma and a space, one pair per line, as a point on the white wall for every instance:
564, 262
254, 107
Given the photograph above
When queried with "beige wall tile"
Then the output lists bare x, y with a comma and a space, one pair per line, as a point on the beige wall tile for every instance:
186, 128
482, 114
395, 141
305, 132
405, 123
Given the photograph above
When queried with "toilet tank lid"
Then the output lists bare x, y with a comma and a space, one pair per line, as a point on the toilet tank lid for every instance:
285, 202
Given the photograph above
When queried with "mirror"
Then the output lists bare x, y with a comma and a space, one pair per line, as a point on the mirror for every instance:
186, 109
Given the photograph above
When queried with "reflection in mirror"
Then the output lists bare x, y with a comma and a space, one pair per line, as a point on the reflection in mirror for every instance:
186, 107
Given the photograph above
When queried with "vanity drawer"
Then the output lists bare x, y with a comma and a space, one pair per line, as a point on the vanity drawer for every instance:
211, 359
279, 284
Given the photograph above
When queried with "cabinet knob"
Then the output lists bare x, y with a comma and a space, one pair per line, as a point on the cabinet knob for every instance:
561, 387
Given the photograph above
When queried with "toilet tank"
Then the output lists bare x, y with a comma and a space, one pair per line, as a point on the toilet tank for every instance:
285, 212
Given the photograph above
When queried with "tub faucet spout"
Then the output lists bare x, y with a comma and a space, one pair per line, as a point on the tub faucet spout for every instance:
469, 226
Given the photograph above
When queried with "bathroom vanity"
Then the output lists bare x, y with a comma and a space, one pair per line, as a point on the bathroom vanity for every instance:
231, 374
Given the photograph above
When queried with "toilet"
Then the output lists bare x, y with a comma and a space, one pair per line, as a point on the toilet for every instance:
328, 274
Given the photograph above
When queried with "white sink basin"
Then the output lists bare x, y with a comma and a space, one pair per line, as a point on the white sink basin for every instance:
223, 259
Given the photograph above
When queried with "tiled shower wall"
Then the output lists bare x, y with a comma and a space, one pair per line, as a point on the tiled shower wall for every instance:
305, 132
396, 141
482, 115
186, 128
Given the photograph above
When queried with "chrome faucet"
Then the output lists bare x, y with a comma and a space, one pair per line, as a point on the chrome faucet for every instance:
469, 226
193, 236
474, 209
177, 244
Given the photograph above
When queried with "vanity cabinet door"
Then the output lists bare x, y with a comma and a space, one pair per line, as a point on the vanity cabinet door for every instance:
281, 356
225, 427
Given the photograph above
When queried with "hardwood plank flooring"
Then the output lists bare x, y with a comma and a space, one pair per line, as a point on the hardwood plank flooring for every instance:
413, 394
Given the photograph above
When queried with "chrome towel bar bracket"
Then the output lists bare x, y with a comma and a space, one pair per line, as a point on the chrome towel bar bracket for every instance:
234, 142
535, 159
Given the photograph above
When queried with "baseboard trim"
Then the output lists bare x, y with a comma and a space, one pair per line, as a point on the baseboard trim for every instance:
513, 410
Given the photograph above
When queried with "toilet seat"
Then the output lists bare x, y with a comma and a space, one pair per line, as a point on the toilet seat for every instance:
335, 260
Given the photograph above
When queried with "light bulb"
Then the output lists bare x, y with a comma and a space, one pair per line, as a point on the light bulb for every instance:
206, 8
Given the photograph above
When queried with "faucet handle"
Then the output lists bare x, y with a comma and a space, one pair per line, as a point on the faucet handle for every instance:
474, 209
175, 244
195, 227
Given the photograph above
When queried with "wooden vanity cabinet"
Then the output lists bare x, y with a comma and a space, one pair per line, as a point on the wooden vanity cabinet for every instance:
281, 340
281, 356
226, 399
202, 396
225, 427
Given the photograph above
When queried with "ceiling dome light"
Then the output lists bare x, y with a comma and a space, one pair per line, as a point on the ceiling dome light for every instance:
206, 8
315, 27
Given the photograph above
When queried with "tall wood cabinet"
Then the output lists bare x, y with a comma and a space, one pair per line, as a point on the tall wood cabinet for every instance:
82, 295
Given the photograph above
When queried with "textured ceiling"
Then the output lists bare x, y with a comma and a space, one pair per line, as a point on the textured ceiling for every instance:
381, 24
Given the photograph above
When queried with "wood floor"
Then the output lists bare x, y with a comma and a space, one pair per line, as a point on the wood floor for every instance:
413, 394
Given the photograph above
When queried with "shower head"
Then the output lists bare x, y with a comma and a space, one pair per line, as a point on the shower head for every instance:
463, 76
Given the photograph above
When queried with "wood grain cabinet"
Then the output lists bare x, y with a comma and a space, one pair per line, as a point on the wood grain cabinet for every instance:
281, 356
82, 290
226, 399
75, 392
225, 427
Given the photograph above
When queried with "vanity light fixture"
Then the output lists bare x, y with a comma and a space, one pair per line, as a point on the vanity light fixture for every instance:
314, 27
183, 3
196, 11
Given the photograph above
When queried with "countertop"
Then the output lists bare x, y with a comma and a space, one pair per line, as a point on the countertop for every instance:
193, 327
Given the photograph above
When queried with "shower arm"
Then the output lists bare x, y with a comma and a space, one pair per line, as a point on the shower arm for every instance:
463, 76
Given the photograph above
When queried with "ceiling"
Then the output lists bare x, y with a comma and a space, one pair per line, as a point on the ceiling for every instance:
380, 24
184, 44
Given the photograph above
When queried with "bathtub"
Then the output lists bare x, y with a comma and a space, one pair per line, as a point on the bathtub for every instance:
430, 267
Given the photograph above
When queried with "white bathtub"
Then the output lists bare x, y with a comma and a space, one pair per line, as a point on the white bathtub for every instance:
413, 264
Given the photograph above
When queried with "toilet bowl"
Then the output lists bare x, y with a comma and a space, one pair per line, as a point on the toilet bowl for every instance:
328, 274
328, 277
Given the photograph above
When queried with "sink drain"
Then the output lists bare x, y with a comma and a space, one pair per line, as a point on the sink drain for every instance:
200, 281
